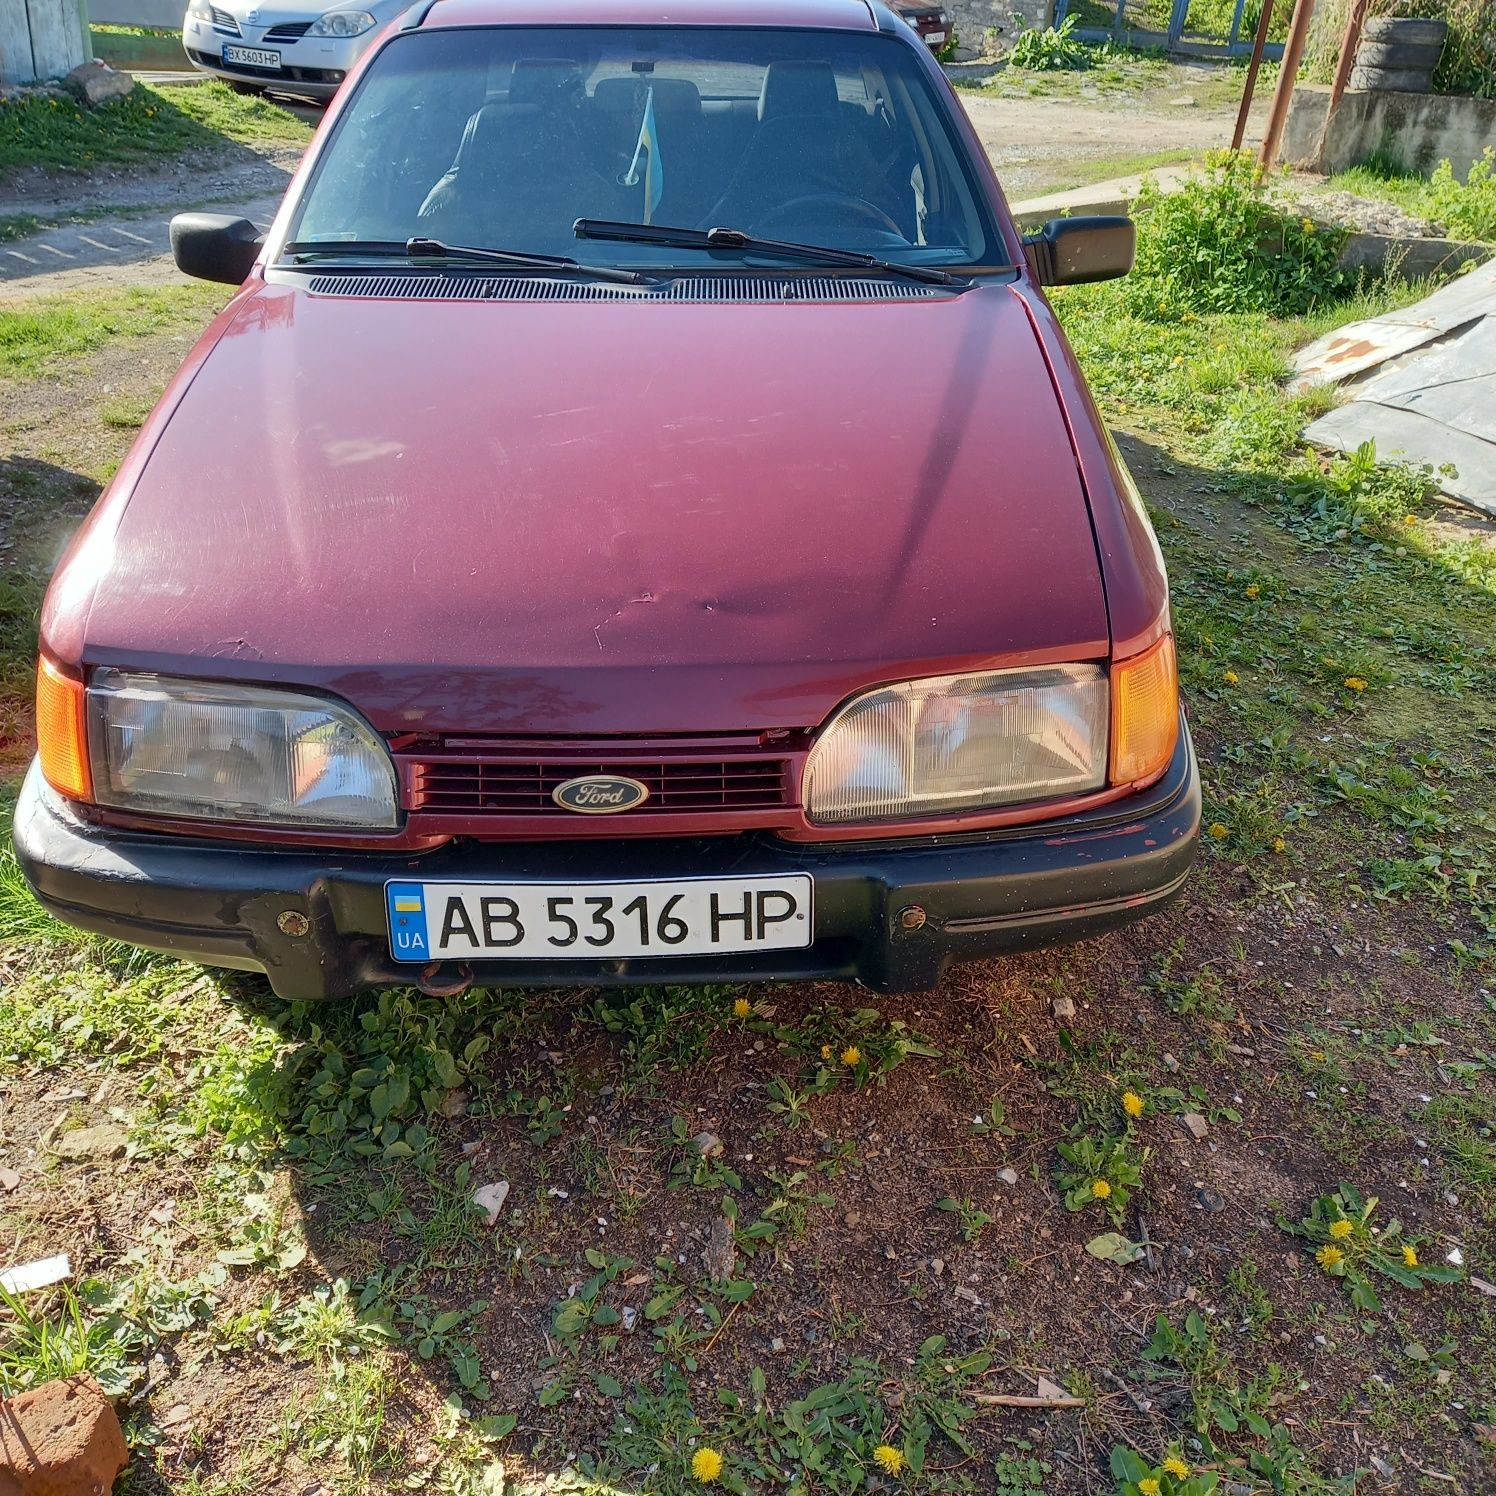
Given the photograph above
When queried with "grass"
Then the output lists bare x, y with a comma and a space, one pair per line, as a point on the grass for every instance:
1466, 209
51, 329
903, 1192
17, 226
150, 124
1084, 173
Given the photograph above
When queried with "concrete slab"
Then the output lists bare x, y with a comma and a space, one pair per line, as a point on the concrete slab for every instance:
1406, 436
1422, 386
1359, 346
1114, 196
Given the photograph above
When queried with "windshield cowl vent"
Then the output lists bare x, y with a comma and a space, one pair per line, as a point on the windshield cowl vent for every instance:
735, 288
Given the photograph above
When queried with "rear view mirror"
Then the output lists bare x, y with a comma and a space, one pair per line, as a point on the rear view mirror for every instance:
215, 247
1074, 251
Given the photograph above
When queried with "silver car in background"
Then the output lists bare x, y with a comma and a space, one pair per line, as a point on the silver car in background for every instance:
286, 46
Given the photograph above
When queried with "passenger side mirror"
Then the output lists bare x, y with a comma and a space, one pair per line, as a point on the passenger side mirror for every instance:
1075, 251
215, 247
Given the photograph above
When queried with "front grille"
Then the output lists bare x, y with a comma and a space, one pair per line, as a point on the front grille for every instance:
291, 31
500, 788
223, 21
758, 288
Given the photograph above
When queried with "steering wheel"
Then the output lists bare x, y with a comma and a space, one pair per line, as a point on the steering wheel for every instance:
847, 206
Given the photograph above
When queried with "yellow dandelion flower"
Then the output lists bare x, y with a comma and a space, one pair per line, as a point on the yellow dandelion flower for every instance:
1279, 845
850, 1056
1354, 683
1176, 1467
1219, 830
1132, 1103
706, 1465
1254, 590
1177, 361
742, 1008
890, 1460
1100, 1189
1307, 224
1149, 1486
1340, 1229
1410, 1257
1410, 519
1231, 677
825, 1051
1329, 1258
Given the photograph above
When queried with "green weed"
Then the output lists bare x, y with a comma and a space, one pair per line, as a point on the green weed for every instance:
1053, 49
1219, 243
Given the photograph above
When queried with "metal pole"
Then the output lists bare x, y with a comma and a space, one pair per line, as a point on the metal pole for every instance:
1342, 75
1264, 22
1293, 55
1347, 54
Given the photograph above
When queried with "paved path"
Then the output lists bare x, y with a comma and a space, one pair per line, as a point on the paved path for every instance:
105, 252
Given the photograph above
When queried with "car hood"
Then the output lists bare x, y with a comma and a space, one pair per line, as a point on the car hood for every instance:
265, 13
604, 515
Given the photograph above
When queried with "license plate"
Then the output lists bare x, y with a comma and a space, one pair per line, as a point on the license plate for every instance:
252, 57
536, 921
934, 36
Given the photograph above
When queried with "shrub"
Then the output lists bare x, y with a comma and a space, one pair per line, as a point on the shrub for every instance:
1220, 244
1051, 50
1467, 210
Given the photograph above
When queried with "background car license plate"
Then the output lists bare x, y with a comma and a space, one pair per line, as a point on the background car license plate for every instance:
252, 57
530, 921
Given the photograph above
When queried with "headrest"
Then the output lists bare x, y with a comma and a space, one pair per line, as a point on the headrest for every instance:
544, 82
671, 95
797, 88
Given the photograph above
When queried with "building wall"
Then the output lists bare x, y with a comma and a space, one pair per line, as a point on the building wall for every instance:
41, 39
166, 14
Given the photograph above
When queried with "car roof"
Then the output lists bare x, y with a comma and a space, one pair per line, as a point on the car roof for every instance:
844, 15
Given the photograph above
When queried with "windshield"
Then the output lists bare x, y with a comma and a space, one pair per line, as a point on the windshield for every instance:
505, 136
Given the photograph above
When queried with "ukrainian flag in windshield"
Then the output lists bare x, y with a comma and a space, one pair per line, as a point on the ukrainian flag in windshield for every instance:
654, 167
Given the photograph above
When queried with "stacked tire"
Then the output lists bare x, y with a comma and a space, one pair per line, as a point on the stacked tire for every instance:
1398, 55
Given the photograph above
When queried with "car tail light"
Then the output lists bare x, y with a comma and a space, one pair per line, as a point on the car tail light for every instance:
1145, 713
61, 744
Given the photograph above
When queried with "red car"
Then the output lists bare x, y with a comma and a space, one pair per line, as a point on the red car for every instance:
931, 23
638, 521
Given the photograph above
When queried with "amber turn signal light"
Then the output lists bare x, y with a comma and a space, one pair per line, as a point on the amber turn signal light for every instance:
1145, 713
61, 743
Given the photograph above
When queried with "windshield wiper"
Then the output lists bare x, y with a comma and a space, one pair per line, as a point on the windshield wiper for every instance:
435, 249
727, 238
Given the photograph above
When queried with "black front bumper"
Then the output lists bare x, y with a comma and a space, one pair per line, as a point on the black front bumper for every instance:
890, 914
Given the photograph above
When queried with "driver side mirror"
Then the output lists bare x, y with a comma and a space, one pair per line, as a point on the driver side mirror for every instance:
1076, 251
215, 247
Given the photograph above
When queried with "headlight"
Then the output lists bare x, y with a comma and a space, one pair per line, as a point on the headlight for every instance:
961, 742
201, 9
342, 23
235, 753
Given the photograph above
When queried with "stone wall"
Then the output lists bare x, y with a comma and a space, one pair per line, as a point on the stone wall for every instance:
1420, 130
972, 18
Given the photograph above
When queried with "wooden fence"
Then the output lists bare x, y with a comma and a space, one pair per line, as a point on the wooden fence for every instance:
41, 39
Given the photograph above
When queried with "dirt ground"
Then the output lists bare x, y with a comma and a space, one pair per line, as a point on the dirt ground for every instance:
1043, 145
